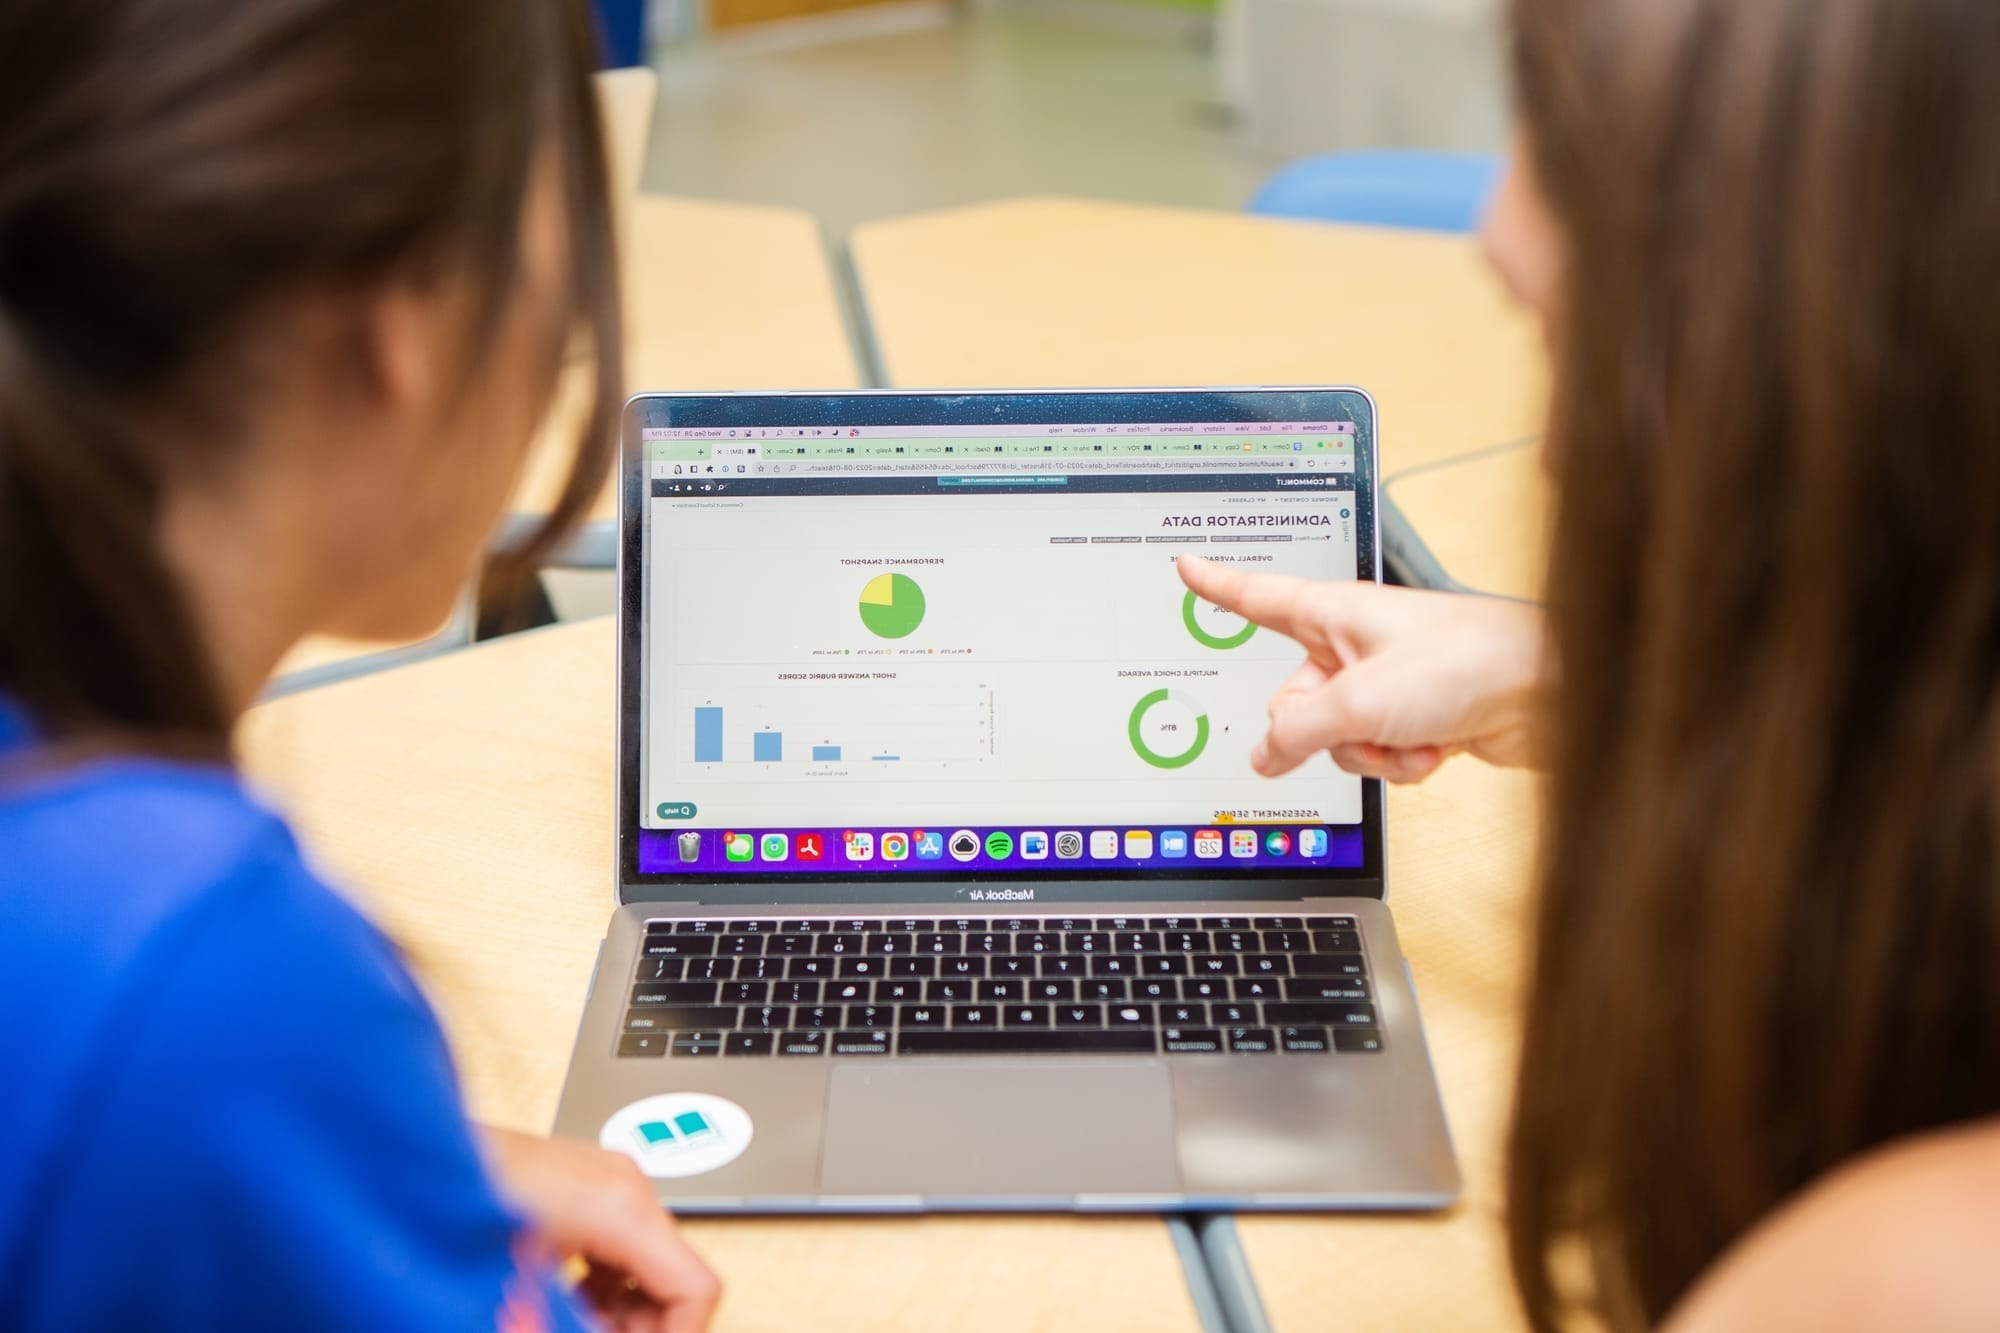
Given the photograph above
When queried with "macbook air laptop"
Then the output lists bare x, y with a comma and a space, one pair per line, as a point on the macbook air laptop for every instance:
945, 880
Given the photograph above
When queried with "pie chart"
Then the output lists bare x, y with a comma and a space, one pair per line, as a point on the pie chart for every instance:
892, 606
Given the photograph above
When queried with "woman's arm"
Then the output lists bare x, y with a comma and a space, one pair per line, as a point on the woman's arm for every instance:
1394, 681
1901, 1239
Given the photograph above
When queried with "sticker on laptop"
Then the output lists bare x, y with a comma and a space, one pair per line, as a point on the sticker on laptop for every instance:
679, 1134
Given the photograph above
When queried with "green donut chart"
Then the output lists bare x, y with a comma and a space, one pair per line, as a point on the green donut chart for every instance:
1135, 730
1203, 637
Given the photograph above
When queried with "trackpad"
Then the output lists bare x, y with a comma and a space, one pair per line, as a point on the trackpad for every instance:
1000, 1128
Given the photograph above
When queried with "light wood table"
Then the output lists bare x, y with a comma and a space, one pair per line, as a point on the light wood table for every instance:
717, 296
1068, 292
1483, 517
467, 804
1460, 853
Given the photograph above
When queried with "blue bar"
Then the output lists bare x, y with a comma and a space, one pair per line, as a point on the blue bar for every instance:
769, 747
885, 758
826, 752
708, 735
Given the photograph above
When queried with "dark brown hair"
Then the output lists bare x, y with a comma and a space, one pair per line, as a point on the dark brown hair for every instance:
171, 171
1770, 914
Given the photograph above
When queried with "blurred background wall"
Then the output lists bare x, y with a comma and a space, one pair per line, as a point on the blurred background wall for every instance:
856, 109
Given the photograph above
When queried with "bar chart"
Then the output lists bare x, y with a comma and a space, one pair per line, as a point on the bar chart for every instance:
829, 727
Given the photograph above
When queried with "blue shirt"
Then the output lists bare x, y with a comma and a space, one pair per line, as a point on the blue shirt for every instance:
225, 1105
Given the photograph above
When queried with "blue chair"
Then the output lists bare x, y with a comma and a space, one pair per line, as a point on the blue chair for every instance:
1423, 190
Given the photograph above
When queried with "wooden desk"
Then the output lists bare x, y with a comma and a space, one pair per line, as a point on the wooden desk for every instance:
717, 296
1484, 517
1066, 292
1460, 852
467, 803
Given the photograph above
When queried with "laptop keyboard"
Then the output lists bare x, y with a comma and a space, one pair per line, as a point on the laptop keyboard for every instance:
919, 986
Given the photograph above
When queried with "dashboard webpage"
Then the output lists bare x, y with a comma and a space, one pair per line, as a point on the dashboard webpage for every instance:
947, 651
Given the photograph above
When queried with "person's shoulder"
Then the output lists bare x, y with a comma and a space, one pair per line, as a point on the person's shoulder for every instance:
1900, 1238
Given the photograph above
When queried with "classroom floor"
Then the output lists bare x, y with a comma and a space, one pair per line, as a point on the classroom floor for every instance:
924, 109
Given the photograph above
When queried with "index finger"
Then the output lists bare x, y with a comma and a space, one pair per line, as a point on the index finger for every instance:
650, 1248
1275, 601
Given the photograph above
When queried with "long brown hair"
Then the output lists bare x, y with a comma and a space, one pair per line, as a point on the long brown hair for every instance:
170, 172
1770, 914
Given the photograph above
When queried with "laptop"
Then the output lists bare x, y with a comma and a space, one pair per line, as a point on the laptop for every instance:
945, 882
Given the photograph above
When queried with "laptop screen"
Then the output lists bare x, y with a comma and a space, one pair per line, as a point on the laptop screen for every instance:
957, 647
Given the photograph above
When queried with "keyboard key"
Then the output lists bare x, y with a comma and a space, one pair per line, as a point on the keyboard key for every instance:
642, 1043
740, 946
749, 1043
710, 969
1192, 1041
898, 992
1163, 965
1225, 923
1264, 965
795, 992
861, 1043
802, 927
1119, 923
863, 967
676, 992
767, 1017
817, 1016
802, 1043
1026, 1041
923, 1016
1213, 965
1063, 967
838, 945
1278, 923
660, 969
1324, 1015
1205, 988
760, 969
698, 1043
974, 966
1320, 988
1183, 1015
1186, 941
913, 965
1113, 965
974, 1016
1050, 992
1038, 941
1356, 1039
1233, 1015
1131, 1016
789, 945
870, 1016
1089, 941
813, 969
676, 1018
1156, 988
678, 946
1022, 966
1258, 988
858, 992
888, 946
1335, 941
1079, 1016
697, 927
1303, 1040
1002, 992
1252, 1041
1025, 1016
1330, 923
751, 928
1286, 941
1105, 989
746, 992
1330, 965
937, 943
989, 943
